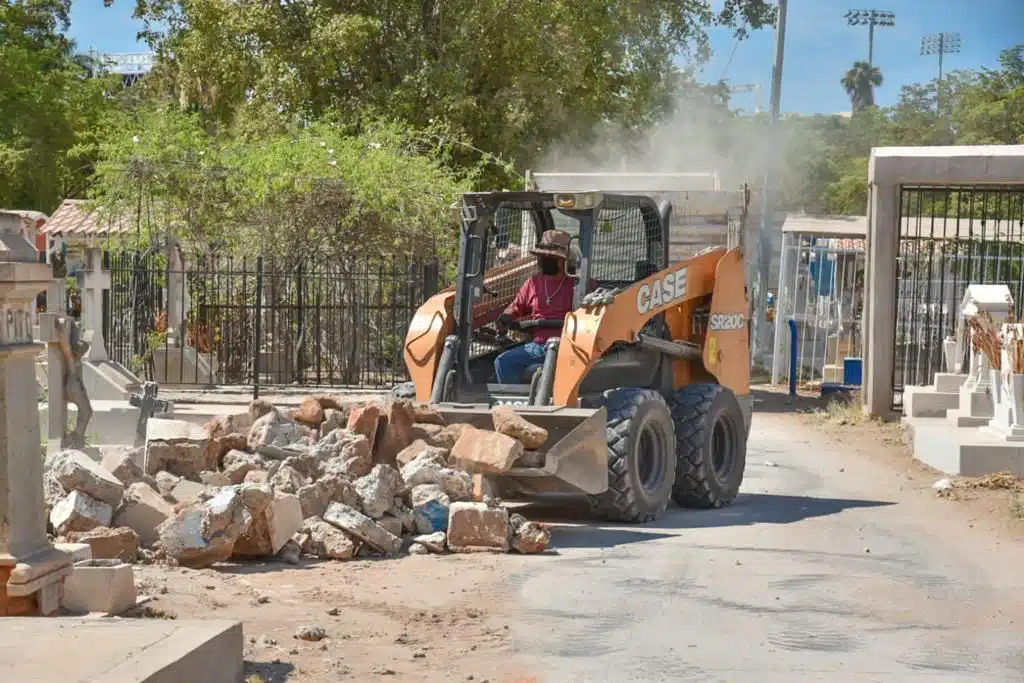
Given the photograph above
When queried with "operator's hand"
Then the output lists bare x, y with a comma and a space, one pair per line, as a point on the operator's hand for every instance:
506, 322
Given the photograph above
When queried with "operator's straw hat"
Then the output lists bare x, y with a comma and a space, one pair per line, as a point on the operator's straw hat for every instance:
553, 243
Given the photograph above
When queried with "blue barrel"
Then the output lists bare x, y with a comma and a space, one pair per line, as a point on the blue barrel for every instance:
853, 371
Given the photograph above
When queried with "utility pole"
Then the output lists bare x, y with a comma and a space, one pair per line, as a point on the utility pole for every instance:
940, 44
764, 241
870, 18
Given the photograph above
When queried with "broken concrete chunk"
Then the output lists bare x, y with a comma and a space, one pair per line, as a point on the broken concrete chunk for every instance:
222, 445
333, 419
396, 431
313, 500
431, 434
418, 549
449, 435
404, 514
365, 420
165, 482
259, 407
273, 432
420, 448
53, 492
510, 423
435, 542
255, 497
205, 533
326, 542
287, 479
306, 464
256, 477
531, 459
79, 512
178, 447
238, 463
309, 412
378, 489
271, 527
215, 479
429, 470
76, 471
430, 507
528, 537
186, 491
474, 527
483, 452
424, 413
392, 525
143, 510
361, 527
125, 466
121, 543
344, 452
223, 425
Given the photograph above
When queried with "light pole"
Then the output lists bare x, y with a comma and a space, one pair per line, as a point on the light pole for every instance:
764, 240
870, 18
940, 44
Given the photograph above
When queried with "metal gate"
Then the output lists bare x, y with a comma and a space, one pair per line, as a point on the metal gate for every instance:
950, 237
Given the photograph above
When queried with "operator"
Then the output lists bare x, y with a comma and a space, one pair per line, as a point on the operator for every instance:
548, 295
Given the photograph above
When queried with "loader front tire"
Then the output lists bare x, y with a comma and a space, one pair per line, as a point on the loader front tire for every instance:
641, 456
711, 446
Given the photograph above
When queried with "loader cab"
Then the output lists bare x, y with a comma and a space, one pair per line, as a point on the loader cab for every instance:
616, 240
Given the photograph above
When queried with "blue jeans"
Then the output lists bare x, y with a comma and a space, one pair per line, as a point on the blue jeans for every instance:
510, 365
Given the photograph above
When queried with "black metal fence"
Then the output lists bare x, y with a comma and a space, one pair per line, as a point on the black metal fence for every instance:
249, 321
950, 238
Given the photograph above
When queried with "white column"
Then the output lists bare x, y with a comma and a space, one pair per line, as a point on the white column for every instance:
784, 295
96, 282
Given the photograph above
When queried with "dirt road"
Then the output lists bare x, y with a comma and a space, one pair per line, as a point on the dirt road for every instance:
837, 563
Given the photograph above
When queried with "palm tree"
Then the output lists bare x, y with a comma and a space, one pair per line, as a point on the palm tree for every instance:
860, 83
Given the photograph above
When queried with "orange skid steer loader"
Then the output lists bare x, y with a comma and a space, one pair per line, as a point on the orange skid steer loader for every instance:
645, 393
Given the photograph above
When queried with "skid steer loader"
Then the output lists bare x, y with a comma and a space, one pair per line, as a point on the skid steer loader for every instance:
645, 393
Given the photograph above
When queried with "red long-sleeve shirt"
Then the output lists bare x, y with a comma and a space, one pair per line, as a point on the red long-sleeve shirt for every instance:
531, 302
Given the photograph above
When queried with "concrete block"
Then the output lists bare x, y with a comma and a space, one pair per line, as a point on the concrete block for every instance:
79, 552
928, 402
121, 650
79, 512
271, 528
949, 381
76, 471
967, 452
143, 511
186, 491
475, 527
100, 586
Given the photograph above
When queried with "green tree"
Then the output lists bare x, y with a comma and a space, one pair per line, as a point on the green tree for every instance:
860, 83
49, 107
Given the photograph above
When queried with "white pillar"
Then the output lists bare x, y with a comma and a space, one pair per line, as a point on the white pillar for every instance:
784, 295
96, 281
176, 289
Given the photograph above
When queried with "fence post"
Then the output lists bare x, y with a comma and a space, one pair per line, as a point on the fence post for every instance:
258, 329
431, 275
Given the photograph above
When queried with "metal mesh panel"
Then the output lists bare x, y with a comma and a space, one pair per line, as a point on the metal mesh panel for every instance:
627, 244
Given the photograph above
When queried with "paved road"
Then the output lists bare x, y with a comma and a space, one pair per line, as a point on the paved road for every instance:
822, 570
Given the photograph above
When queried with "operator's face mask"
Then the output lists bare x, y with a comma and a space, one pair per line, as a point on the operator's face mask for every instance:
549, 265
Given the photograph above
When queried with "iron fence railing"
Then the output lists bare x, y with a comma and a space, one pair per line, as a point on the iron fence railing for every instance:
950, 238
250, 321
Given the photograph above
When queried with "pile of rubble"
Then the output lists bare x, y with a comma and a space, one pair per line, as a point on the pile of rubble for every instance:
326, 480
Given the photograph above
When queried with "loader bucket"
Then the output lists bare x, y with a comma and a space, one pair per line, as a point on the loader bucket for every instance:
575, 454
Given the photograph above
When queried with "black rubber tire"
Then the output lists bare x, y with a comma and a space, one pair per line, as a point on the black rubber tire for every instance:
711, 446
641, 462
404, 390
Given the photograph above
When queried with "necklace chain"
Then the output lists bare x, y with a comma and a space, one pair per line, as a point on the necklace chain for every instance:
547, 296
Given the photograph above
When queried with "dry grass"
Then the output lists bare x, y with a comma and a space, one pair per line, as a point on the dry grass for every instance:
993, 482
985, 338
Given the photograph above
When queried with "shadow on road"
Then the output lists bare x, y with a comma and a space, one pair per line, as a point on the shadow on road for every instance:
269, 672
749, 508
777, 401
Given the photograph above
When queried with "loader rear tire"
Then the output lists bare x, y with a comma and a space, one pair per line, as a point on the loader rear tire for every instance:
641, 457
711, 445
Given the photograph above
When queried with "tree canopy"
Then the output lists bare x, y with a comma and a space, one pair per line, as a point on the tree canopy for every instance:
860, 83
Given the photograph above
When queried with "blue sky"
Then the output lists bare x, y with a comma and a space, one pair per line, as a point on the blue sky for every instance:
819, 45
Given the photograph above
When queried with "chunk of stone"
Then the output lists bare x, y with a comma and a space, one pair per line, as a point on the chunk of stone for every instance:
424, 413
76, 471
306, 464
365, 420
255, 497
288, 480
325, 541
418, 549
404, 514
256, 477
397, 419
475, 527
510, 423
313, 499
431, 470
528, 537
435, 542
53, 492
205, 533
431, 434
362, 528
95, 585
272, 433
215, 479
143, 510
430, 508
531, 459
290, 552
178, 447
483, 452
79, 512
238, 463
333, 419
344, 452
309, 412
311, 633
483, 489
378, 489
186, 491
226, 443
271, 527
165, 482
121, 543
125, 466
420, 448
449, 435
223, 425
258, 408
